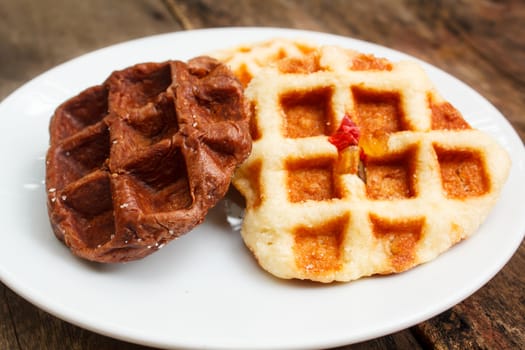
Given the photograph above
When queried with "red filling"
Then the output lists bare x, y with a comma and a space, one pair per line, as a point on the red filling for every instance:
347, 134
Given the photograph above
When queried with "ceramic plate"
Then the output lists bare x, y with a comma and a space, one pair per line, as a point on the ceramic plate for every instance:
205, 290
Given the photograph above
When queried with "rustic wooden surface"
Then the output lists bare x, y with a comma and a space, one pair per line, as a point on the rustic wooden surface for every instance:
480, 42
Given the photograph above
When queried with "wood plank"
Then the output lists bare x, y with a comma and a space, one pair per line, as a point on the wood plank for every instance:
492, 318
8, 336
37, 35
400, 340
479, 42
270, 13
36, 329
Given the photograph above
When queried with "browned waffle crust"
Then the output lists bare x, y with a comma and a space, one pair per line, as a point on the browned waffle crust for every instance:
139, 160
425, 180
246, 60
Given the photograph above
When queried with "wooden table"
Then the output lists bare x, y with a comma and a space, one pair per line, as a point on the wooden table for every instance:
480, 42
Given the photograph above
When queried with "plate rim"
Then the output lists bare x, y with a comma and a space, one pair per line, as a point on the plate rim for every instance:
11, 283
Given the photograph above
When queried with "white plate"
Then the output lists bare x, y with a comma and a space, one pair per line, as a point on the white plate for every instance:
205, 290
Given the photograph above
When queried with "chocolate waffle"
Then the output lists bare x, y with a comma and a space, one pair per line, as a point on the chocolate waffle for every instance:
139, 160
359, 167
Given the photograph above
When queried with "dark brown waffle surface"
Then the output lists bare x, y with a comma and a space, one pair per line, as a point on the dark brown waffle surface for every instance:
139, 160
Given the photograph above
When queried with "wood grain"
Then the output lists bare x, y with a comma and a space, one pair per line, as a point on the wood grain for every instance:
480, 42
37, 35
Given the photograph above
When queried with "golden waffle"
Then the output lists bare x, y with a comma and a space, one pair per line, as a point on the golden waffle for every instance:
137, 161
419, 180
246, 60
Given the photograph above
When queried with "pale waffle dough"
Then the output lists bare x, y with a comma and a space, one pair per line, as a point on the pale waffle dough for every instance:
247, 60
431, 179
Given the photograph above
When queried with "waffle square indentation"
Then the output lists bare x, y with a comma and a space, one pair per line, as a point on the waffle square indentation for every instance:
91, 199
364, 62
163, 174
400, 238
153, 122
445, 117
255, 133
84, 110
318, 249
300, 65
462, 173
253, 175
85, 151
244, 75
143, 84
311, 179
378, 113
307, 113
391, 177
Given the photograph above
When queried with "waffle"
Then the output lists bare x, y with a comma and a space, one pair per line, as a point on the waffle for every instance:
247, 60
139, 160
359, 167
